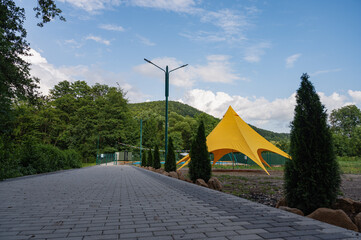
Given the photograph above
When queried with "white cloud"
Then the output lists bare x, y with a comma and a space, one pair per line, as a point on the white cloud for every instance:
145, 41
254, 53
325, 71
217, 69
98, 39
355, 95
169, 5
274, 115
292, 59
93, 6
111, 27
50, 75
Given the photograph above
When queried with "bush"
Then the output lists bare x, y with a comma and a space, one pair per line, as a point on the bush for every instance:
144, 159
170, 163
200, 165
156, 159
312, 177
72, 159
150, 158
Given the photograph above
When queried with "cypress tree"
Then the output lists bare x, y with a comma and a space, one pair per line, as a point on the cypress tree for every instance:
150, 158
170, 164
312, 177
156, 159
144, 159
200, 165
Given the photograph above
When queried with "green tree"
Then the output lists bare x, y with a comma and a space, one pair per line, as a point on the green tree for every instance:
150, 158
345, 119
156, 159
312, 177
200, 165
170, 163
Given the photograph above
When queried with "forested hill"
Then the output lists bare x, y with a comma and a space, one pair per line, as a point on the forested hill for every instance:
185, 110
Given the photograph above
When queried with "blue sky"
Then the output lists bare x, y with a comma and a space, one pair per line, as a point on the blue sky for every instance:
249, 54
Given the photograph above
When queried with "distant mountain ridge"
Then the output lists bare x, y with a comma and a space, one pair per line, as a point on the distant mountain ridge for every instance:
186, 110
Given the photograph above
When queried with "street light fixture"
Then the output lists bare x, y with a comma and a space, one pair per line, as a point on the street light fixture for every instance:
166, 99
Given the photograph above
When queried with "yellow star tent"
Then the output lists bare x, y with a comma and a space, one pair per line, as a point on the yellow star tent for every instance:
232, 134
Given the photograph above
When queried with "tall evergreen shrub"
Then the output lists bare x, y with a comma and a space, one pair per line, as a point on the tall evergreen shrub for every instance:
200, 165
150, 158
144, 159
312, 177
156, 159
170, 163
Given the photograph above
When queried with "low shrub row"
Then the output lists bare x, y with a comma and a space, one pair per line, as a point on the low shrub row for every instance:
39, 158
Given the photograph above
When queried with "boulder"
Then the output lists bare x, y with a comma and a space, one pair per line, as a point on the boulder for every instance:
187, 180
358, 221
180, 176
159, 170
345, 204
215, 184
201, 182
292, 210
357, 207
334, 217
173, 174
281, 202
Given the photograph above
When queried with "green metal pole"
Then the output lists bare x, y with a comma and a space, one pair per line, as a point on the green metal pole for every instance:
140, 151
97, 150
166, 111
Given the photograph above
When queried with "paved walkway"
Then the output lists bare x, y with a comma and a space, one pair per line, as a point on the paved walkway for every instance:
124, 202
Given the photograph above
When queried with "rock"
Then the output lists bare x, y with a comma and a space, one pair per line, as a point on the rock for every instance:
187, 180
201, 182
281, 202
173, 174
166, 173
358, 221
357, 207
345, 204
334, 217
180, 176
292, 210
159, 170
215, 184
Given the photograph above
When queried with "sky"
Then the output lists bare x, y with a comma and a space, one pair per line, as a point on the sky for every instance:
248, 54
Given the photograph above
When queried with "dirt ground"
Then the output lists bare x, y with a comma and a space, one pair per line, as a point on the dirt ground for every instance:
268, 189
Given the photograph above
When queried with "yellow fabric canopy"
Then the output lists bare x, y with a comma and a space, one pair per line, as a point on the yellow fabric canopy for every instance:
232, 134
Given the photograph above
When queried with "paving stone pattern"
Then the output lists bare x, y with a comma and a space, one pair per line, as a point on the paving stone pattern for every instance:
124, 202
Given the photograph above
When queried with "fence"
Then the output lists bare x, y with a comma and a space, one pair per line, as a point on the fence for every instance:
239, 158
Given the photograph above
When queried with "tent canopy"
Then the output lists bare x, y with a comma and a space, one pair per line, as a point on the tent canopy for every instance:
232, 134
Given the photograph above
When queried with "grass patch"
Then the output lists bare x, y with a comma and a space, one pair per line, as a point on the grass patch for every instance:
87, 164
350, 164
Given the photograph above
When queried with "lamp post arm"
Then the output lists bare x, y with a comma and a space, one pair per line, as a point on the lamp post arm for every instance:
154, 64
178, 68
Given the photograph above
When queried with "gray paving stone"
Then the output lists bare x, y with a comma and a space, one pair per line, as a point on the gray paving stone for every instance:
124, 202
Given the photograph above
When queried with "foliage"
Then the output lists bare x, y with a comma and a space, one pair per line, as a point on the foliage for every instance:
200, 165
351, 165
346, 130
47, 10
312, 177
156, 159
72, 159
150, 158
170, 163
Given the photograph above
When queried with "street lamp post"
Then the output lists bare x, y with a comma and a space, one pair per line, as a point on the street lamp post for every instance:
166, 100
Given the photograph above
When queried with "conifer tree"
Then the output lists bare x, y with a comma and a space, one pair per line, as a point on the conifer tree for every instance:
144, 159
170, 164
150, 158
312, 177
200, 165
156, 159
